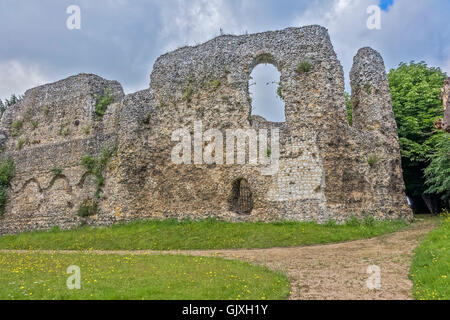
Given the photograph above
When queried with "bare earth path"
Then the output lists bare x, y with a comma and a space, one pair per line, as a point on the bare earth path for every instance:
336, 271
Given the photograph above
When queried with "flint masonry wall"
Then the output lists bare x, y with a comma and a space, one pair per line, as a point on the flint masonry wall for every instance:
446, 102
58, 128
327, 169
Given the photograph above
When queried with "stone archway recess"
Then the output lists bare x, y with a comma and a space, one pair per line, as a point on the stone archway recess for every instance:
241, 197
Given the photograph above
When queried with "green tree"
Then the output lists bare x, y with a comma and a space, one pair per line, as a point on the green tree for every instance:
348, 106
2, 107
415, 89
438, 172
7, 171
12, 101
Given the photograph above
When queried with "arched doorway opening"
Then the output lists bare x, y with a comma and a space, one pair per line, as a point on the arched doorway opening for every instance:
241, 199
266, 93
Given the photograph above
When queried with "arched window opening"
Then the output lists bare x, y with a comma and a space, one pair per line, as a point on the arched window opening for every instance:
266, 93
241, 199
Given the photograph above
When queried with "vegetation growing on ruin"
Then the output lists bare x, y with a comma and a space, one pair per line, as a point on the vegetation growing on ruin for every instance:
348, 106
45, 110
303, 67
87, 129
7, 171
280, 91
34, 124
16, 128
213, 84
201, 235
96, 167
102, 102
21, 143
135, 277
64, 130
430, 269
187, 94
88, 208
57, 172
373, 160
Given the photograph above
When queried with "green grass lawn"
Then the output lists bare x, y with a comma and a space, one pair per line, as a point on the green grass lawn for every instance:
208, 234
153, 277
430, 270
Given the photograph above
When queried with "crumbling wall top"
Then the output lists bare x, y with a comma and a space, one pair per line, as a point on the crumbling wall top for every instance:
58, 112
237, 55
313, 96
371, 95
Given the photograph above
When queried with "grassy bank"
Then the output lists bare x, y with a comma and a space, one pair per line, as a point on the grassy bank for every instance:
154, 277
430, 270
208, 234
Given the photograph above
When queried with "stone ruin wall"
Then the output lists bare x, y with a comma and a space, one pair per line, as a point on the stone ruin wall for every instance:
446, 102
58, 128
324, 168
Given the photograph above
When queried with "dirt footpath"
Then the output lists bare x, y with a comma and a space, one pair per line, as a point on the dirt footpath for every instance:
332, 272
339, 271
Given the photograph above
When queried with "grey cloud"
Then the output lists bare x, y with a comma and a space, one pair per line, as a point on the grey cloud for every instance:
121, 39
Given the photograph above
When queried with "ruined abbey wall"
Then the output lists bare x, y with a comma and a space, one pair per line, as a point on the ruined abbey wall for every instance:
446, 102
327, 168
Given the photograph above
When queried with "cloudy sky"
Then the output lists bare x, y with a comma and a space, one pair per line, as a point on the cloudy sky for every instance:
121, 39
